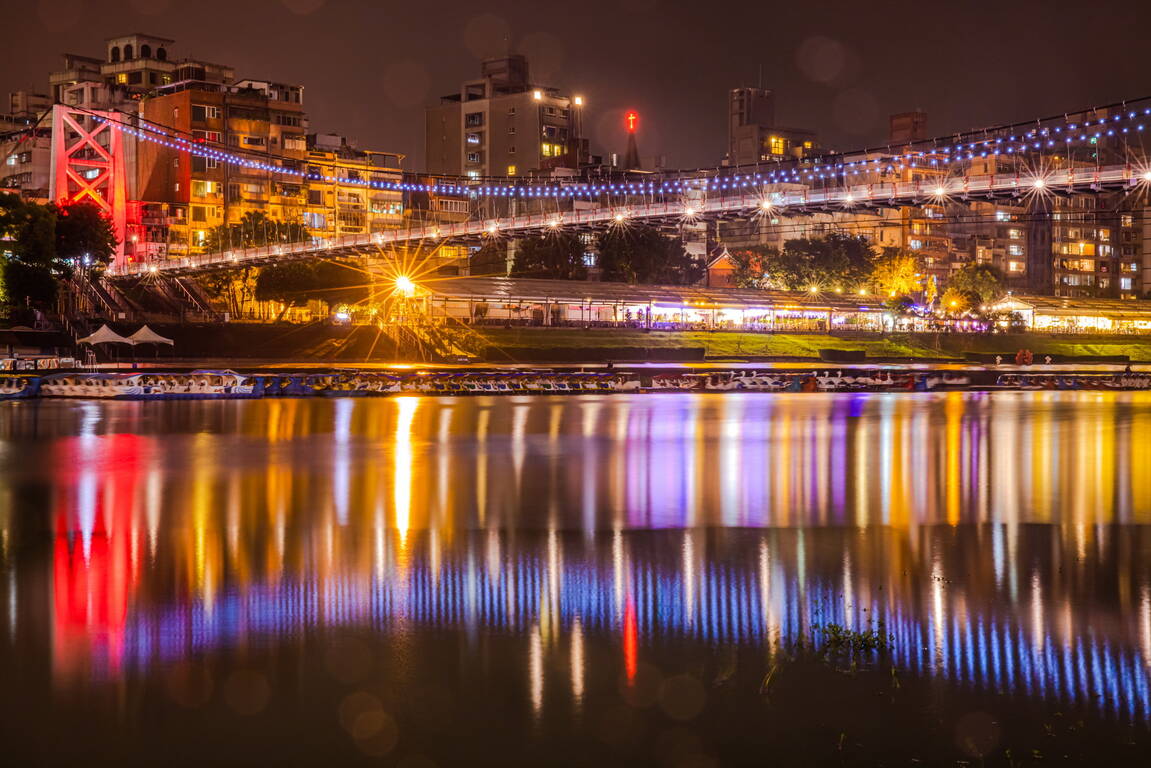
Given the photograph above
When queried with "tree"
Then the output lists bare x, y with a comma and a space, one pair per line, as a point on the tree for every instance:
491, 260
84, 237
749, 266
896, 273
295, 283
287, 283
957, 302
642, 254
236, 287
559, 256
836, 261
29, 229
255, 229
982, 280
28, 284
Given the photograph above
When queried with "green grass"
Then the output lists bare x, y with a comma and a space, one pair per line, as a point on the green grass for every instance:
730, 344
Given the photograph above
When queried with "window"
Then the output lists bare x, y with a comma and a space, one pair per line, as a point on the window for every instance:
1129, 266
1015, 234
199, 213
254, 141
1126, 220
145, 51
254, 188
916, 245
212, 137
122, 78
115, 54
511, 170
1015, 266
204, 188
1015, 250
474, 119
1126, 283
551, 150
511, 111
202, 112
473, 174
315, 197
1002, 216
128, 53
473, 157
777, 145
313, 220
473, 138
512, 149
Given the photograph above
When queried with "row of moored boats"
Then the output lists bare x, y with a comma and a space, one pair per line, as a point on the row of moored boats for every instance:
227, 384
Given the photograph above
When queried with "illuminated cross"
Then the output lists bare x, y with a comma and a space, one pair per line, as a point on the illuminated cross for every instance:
631, 118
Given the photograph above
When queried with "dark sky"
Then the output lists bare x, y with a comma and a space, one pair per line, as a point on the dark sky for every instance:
369, 66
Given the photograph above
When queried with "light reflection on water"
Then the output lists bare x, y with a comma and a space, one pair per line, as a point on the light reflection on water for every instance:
998, 538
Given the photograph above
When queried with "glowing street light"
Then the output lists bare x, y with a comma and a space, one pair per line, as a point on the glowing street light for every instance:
405, 287
689, 211
1147, 176
1039, 183
765, 205
619, 217
940, 191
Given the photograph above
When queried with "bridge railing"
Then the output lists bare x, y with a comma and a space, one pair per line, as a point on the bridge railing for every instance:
779, 198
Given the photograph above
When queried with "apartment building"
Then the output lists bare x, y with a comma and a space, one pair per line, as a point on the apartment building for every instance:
503, 124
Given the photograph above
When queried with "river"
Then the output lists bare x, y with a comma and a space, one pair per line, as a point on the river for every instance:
675, 579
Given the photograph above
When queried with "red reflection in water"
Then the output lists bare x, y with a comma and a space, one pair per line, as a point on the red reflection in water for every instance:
630, 641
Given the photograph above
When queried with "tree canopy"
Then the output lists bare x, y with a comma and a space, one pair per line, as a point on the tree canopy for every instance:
642, 254
255, 229
48, 243
491, 260
836, 261
897, 273
984, 281
749, 266
294, 283
559, 256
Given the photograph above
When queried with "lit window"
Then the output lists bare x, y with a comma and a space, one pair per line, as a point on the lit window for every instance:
1015, 234
1002, 216
546, 149
1015, 250
916, 245
537, 95
807, 145
1126, 283
511, 170
473, 138
777, 145
473, 174
1015, 266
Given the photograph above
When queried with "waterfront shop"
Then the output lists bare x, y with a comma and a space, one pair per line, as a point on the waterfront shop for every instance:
501, 301
1054, 314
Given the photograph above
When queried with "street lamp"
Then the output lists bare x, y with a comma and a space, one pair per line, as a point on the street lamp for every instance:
405, 287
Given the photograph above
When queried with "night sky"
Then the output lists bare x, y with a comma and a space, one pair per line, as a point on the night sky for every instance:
370, 66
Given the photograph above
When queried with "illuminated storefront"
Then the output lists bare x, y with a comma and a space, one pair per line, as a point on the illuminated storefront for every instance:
1051, 314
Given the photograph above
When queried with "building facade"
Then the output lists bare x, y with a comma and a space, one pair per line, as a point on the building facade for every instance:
753, 136
503, 124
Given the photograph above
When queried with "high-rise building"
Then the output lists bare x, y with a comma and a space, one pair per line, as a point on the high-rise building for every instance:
503, 124
753, 135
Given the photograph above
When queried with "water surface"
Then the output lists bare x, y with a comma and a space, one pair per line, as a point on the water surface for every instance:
573, 581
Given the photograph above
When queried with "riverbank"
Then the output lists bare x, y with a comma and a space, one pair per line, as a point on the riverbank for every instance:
349, 345
569, 344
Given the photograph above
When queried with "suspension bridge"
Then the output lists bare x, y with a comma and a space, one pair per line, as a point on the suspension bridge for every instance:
1088, 152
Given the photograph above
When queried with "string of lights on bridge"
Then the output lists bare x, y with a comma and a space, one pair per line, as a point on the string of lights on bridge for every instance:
935, 157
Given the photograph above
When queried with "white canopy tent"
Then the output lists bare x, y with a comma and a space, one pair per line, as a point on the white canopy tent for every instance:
105, 336
147, 336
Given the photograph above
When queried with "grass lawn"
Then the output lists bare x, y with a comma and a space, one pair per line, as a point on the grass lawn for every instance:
729, 344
